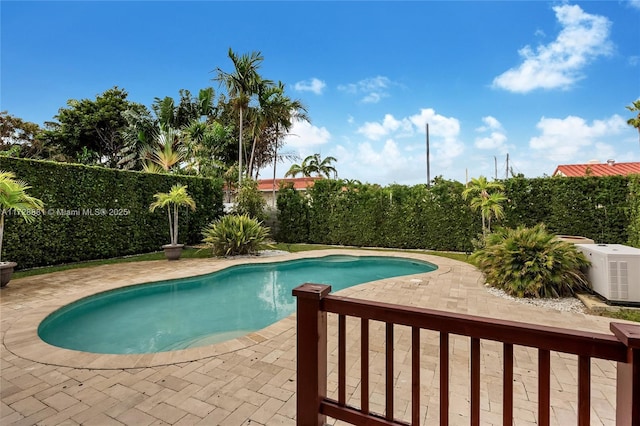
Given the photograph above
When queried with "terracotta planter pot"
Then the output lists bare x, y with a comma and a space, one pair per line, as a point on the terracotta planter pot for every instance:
6, 270
173, 251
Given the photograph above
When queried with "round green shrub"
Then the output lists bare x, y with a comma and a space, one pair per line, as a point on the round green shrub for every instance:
531, 262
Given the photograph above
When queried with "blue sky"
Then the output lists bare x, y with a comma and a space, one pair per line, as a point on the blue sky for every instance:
545, 82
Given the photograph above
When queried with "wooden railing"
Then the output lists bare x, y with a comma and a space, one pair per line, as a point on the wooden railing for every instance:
313, 406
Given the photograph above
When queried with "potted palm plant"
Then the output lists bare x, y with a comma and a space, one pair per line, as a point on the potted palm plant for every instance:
172, 200
14, 199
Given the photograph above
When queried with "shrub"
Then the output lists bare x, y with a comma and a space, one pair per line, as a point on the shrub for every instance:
530, 262
249, 201
235, 234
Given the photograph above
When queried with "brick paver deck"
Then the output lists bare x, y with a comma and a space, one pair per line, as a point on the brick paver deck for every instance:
251, 380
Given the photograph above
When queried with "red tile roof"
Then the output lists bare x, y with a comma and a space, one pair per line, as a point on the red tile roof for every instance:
298, 183
609, 168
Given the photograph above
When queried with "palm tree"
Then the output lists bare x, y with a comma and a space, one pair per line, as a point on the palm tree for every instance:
321, 166
635, 121
166, 154
262, 119
291, 110
295, 170
241, 84
314, 164
482, 198
492, 207
176, 197
14, 198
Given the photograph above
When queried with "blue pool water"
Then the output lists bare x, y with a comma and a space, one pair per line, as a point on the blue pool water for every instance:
206, 309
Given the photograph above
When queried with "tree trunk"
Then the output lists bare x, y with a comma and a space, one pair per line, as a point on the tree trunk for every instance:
253, 150
275, 161
240, 153
170, 224
175, 224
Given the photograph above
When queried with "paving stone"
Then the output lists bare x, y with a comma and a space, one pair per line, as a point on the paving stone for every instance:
251, 380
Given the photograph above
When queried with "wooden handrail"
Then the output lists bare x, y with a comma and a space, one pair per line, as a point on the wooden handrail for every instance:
314, 302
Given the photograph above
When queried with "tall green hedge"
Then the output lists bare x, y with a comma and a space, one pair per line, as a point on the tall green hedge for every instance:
371, 216
605, 209
94, 213
634, 211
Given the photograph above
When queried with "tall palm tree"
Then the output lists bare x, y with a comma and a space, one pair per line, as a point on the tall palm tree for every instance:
241, 84
480, 191
271, 120
262, 118
635, 121
291, 110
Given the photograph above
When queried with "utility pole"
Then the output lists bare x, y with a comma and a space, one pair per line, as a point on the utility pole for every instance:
506, 173
428, 166
495, 166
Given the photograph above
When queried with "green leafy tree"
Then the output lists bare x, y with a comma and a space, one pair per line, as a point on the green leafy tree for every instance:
175, 198
20, 138
190, 117
14, 199
635, 121
241, 84
531, 262
207, 148
249, 201
96, 126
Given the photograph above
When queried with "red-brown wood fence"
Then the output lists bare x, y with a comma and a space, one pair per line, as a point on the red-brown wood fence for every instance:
313, 406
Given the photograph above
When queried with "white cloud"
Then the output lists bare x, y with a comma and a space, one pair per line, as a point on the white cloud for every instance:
490, 123
376, 131
445, 146
559, 64
313, 85
496, 140
564, 141
401, 157
439, 125
372, 89
635, 3
385, 162
303, 134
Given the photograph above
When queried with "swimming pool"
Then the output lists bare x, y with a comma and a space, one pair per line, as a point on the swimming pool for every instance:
202, 310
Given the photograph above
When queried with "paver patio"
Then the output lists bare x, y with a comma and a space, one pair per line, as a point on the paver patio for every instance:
251, 380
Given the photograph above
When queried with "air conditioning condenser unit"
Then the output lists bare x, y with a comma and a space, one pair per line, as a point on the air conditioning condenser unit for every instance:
614, 272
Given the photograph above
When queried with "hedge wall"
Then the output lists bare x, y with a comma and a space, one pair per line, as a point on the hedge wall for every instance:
604, 209
95, 213
371, 216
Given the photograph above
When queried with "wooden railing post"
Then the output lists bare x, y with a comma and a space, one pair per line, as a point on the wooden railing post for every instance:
311, 379
628, 383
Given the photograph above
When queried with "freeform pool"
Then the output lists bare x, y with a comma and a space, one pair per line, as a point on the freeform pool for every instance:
206, 309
